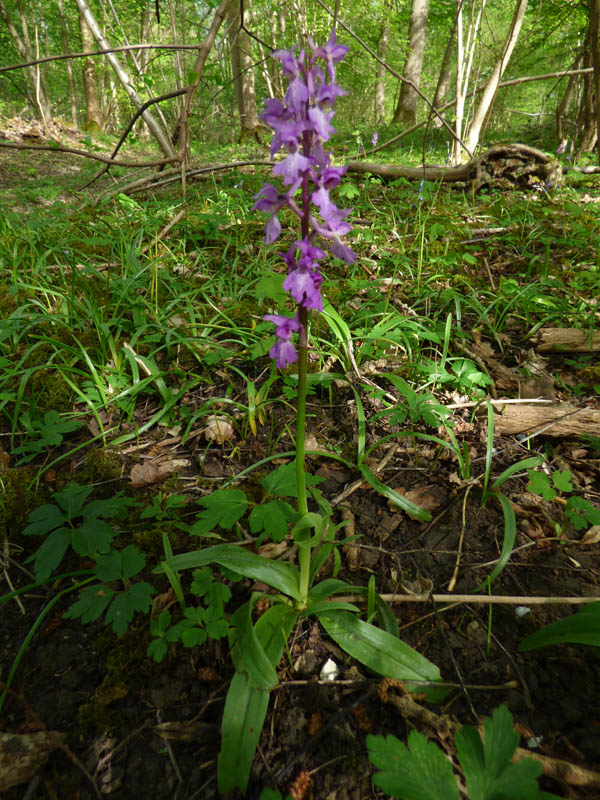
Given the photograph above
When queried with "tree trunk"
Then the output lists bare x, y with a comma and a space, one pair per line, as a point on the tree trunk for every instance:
443, 84
382, 46
93, 120
243, 71
181, 126
464, 60
595, 48
126, 82
66, 50
472, 138
563, 107
406, 111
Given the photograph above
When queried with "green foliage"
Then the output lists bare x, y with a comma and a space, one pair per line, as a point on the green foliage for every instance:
47, 432
163, 507
199, 622
582, 627
422, 772
579, 512
119, 604
72, 521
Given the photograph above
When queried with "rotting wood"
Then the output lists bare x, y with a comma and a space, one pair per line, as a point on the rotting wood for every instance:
557, 420
505, 165
571, 340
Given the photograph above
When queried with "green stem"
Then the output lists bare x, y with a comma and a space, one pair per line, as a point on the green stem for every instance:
303, 550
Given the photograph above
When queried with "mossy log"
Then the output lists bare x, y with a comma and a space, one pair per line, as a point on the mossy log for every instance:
503, 166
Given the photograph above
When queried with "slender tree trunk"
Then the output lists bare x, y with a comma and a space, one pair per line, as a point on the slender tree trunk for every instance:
66, 50
406, 110
382, 47
586, 118
93, 120
125, 80
563, 107
595, 48
243, 71
472, 138
443, 84
464, 61
181, 132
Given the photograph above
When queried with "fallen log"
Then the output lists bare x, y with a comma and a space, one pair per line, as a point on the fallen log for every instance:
571, 340
563, 419
502, 166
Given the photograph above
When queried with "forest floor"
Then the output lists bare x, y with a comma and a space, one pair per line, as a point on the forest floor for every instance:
469, 279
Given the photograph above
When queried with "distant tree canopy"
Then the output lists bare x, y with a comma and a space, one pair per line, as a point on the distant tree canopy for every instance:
214, 63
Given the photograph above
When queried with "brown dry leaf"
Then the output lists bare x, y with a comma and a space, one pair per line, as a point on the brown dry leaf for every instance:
272, 549
161, 602
152, 472
218, 428
592, 536
22, 755
421, 497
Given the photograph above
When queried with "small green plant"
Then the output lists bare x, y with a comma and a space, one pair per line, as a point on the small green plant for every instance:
199, 622
421, 771
47, 432
119, 604
579, 512
71, 521
163, 506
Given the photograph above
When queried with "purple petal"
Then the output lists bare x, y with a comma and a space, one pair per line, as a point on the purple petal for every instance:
289, 63
320, 120
292, 167
272, 229
283, 353
285, 326
297, 95
340, 250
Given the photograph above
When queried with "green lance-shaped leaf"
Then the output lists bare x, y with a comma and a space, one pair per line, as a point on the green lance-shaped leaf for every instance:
246, 706
580, 628
397, 499
382, 652
283, 577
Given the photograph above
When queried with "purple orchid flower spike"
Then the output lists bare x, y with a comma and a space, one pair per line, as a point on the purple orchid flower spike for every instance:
301, 126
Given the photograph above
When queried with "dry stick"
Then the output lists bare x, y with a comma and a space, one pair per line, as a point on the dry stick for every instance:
93, 156
129, 127
452, 583
164, 231
475, 599
121, 49
358, 483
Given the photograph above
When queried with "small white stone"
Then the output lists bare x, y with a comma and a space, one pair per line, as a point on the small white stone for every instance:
329, 671
522, 611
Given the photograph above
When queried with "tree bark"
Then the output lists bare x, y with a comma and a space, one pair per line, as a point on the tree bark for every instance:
382, 46
406, 110
125, 80
93, 120
472, 138
243, 71
67, 49
595, 48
